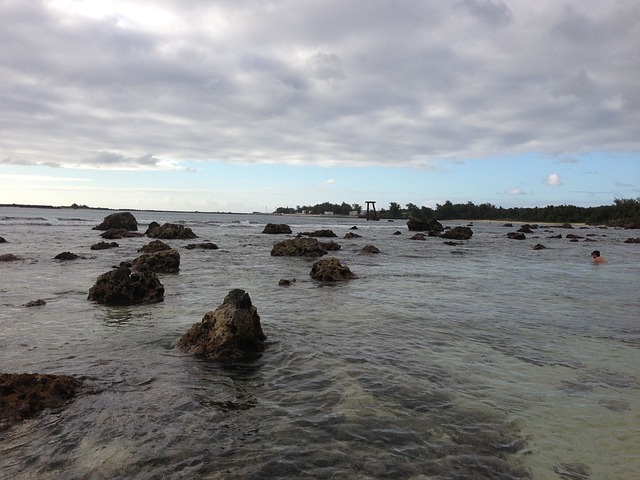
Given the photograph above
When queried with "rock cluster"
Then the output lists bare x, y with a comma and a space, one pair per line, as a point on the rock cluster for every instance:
319, 233
169, 231
432, 227
458, 233
230, 333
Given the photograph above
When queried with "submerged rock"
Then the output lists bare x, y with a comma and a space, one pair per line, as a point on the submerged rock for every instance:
370, 249
318, 233
169, 231
349, 235
516, 236
539, 246
276, 228
433, 227
458, 233
330, 270
104, 245
154, 246
117, 233
163, 261
230, 333
9, 257
35, 303
66, 256
24, 395
118, 221
124, 287
302, 247
202, 246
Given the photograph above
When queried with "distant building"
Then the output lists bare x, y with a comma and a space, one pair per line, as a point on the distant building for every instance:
327, 213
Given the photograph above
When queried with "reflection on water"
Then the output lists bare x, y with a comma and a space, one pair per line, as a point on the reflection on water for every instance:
481, 360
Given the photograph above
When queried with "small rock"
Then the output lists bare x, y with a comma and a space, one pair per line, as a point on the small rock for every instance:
67, 256
35, 303
202, 246
276, 228
330, 270
370, 249
104, 245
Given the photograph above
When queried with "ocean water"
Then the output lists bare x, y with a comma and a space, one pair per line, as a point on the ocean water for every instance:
482, 360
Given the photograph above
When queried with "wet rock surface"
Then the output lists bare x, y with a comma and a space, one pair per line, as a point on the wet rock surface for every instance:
302, 247
330, 270
276, 228
24, 395
124, 287
169, 231
230, 333
104, 245
117, 221
163, 261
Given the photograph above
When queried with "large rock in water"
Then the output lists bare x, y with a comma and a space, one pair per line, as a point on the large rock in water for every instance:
117, 221
330, 270
458, 233
163, 261
433, 227
302, 247
169, 231
24, 395
276, 228
124, 287
230, 333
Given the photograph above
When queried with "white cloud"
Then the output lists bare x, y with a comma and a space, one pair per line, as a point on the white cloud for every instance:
323, 83
553, 180
515, 191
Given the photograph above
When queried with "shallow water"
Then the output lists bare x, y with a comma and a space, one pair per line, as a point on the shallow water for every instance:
483, 360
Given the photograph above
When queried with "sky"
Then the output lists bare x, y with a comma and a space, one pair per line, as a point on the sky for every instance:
244, 106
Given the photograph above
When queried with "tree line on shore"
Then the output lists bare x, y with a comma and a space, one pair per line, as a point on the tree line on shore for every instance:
624, 211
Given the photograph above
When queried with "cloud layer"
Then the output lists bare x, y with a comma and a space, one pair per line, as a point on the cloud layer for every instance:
161, 84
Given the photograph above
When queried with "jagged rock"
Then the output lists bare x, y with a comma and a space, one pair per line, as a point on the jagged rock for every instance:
124, 287
318, 233
9, 257
516, 236
276, 228
285, 282
118, 221
67, 256
230, 333
352, 235
163, 261
35, 303
302, 247
104, 245
354, 228
432, 227
458, 233
154, 246
169, 231
370, 249
539, 246
3, 240
330, 270
117, 233
397, 232
526, 228
24, 395
202, 246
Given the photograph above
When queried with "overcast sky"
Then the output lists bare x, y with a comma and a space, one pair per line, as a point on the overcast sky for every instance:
250, 105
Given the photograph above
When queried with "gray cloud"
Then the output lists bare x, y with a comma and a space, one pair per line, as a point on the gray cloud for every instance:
328, 83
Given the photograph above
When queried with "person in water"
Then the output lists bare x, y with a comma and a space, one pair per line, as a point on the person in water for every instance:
596, 258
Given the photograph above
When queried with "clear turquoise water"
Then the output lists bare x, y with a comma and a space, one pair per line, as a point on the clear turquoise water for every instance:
483, 360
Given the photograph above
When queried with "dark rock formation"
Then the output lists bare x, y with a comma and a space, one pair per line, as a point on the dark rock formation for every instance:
352, 235
318, 233
452, 244
230, 333
154, 246
163, 261
24, 395
419, 236
117, 233
397, 232
118, 221
330, 270
566, 225
2, 240
67, 256
104, 245
9, 257
555, 236
35, 303
539, 246
302, 247
276, 228
458, 233
285, 282
509, 225
370, 249
202, 246
516, 236
354, 228
432, 227
124, 287
169, 231
573, 235
632, 240
526, 228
